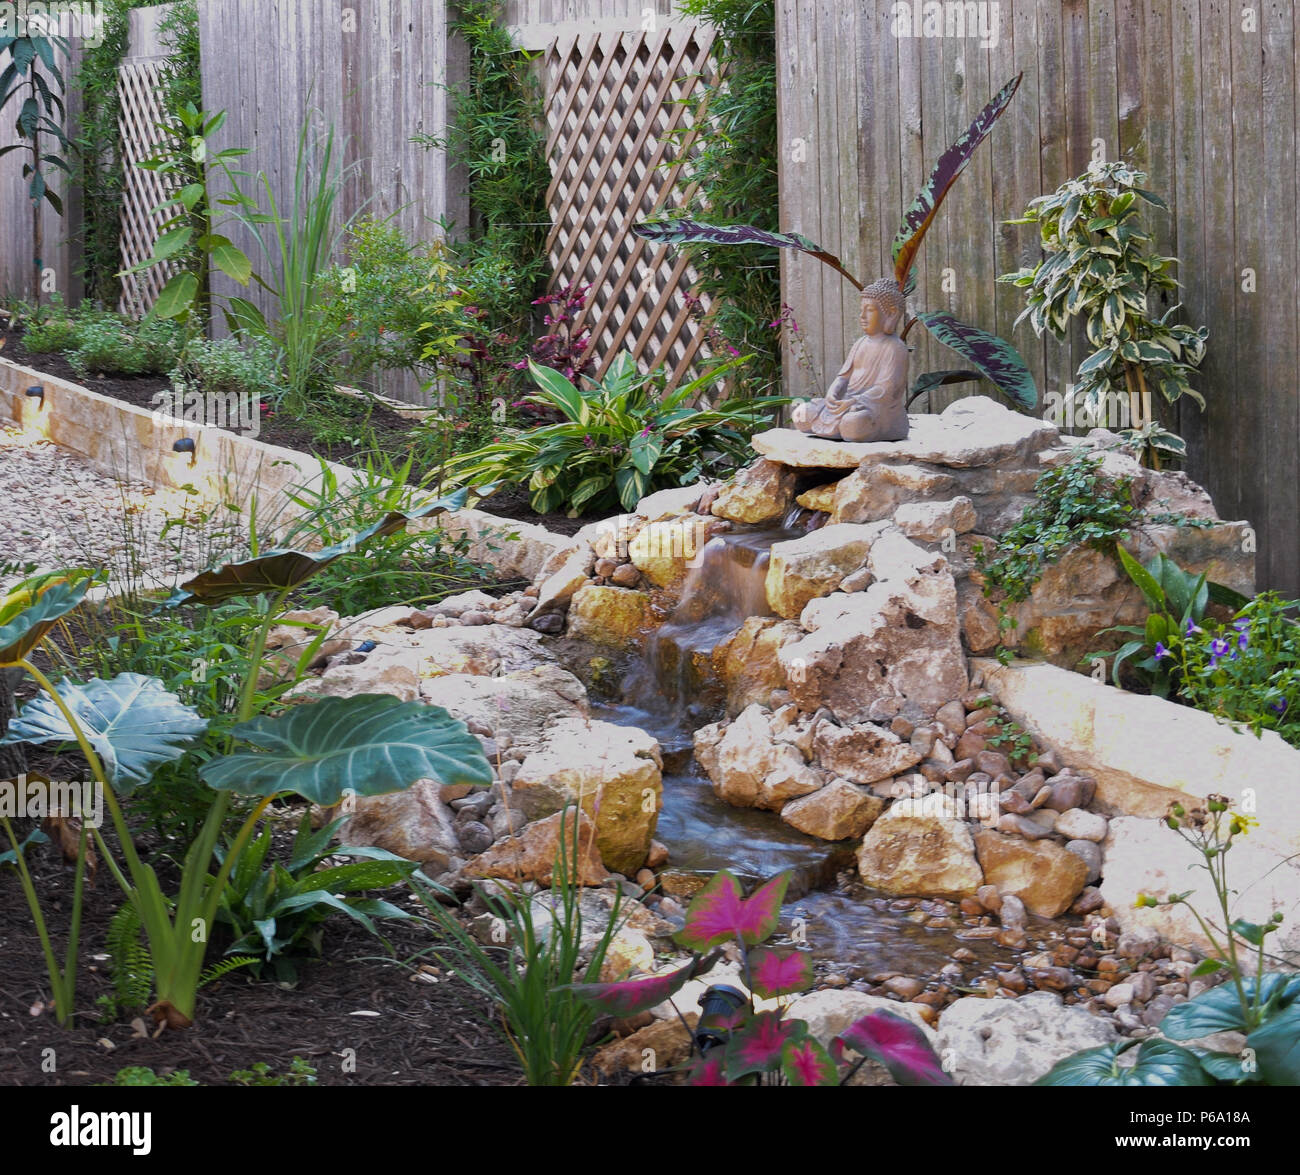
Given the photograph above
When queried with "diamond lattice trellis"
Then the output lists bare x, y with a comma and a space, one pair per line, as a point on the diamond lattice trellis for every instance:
140, 86
615, 109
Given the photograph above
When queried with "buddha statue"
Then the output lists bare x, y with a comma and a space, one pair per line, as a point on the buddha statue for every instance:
868, 399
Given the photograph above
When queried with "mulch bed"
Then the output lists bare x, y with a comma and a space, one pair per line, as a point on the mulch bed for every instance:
390, 431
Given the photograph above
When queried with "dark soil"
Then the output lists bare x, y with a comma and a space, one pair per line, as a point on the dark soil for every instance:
390, 433
413, 1033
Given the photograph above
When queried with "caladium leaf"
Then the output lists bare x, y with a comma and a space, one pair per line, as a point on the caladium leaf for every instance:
1219, 1009
693, 232
280, 570
777, 973
758, 1044
709, 1070
996, 359
132, 722
369, 745
33, 607
896, 1043
805, 1062
1159, 1062
921, 212
627, 997
719, 912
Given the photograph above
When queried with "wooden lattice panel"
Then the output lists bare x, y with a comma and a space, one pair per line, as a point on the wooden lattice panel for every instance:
140, 86
614, 105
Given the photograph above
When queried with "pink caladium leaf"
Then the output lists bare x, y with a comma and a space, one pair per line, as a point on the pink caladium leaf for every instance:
719, 912
758, 1045
805, 1062
896, 1043
709, 1070
627, 997
776, 973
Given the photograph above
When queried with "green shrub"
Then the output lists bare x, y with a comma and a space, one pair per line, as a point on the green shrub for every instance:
110, 346
52, 337
225, 365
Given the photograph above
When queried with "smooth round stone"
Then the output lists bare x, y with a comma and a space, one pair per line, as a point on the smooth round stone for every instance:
1089, 852
1079, 824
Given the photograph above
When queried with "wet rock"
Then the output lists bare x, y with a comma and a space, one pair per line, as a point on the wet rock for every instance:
838, 811
904, 987
763, 492
1088, 901
608, 615
625, 575
863, 753
909, 853
1012, 912
989, 898
532, 854
1041, 873
662, 550
747, 662
658, 855
803, 569
1077, 824
613, 771
748, 769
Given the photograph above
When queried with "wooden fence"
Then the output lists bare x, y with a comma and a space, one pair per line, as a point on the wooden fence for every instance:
375, 70
1201, 94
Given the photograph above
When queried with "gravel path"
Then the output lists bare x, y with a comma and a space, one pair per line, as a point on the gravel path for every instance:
56, 511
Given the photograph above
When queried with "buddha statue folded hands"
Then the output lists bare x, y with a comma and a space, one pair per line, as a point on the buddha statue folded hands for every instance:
868, 399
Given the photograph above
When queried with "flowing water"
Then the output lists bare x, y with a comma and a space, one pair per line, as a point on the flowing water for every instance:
670, 692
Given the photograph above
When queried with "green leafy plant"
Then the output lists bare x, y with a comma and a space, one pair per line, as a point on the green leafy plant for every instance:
749, 1047
617, 441
224, 367
32, 76
1097, 267
134, 1075
1012, 738
299, 1074
526, 976
127, 727
109, 345
278, 910
1265, 1006
993, 358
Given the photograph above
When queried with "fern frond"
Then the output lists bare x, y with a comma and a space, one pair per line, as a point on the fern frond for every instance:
225, 967
132, 962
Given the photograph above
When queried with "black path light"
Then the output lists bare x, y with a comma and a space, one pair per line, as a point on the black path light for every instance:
36, 392
717, 1005
186, 445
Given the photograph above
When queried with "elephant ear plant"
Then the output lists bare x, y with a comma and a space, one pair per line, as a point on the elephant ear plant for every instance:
127, 727
735, 1044
991, 357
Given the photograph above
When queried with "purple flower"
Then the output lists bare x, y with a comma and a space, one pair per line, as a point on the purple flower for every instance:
1218, 649
1242, 641
589, 441
1161, 651
1242, 625
1191, 628
734, 353
1279, 707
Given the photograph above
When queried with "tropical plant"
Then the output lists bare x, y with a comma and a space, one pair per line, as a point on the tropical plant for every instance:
743, 1046
537, 941
993, 358
1177, 600
277, 910
1097, 267
127, 727
1265, 1006
32, 75
618, 439
190, 234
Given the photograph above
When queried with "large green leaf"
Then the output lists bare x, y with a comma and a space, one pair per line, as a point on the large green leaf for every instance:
33, 607
1277, 1046
1159, 1062
920, 214
368, 745
693, 232
132, 722
996, 359
1219, 1009
177, 296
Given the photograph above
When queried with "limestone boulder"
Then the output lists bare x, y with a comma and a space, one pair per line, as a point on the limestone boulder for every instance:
415, 824
533, 854
1041, 873
838, 811
748, 768
483, 650
608, 615
918, 853
828, 1013
663, 551
803, 569
863, 753
1014, 1041
520, 704
933, 522
613, 772
516, 550
559, 583
395, 672
672, 502
878, 489
762, 492
820, 498
609, 538
748, 662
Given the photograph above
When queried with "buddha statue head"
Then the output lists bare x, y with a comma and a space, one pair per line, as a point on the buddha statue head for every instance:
883, 307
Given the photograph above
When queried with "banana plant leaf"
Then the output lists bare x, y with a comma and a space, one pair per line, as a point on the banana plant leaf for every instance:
369, 745
996, 359
33, 607
921, 212
693, 232
132, 722
283, 569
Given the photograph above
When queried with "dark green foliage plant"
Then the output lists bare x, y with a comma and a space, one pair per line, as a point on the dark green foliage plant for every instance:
1263, 1005
107, 345
227, 366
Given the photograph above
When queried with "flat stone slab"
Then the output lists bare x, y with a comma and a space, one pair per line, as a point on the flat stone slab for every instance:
971, 432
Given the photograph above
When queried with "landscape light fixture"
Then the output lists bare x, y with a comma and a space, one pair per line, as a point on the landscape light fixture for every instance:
717, 1005
186, 445
37, 392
